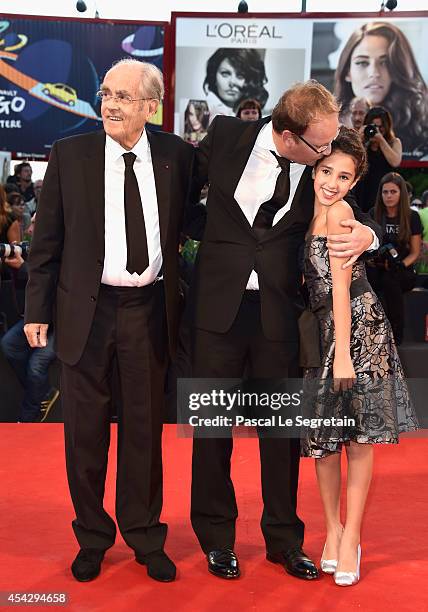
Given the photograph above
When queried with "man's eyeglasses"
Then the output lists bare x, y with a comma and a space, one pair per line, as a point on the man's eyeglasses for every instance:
120, 98
314, 149
318, 150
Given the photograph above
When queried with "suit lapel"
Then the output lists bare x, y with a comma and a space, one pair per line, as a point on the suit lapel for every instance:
162, 169
93, 167
234, 168
235, 163
242, 151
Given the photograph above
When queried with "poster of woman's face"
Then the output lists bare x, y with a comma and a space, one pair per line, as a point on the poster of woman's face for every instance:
384, 63
225, 77
255, 60
234, 75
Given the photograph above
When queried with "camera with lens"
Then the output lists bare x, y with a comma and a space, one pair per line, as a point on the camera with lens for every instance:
370, 130
388, 253
10, 250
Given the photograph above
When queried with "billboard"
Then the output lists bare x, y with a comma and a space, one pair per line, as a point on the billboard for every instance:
221, 60
383, 61
51, 70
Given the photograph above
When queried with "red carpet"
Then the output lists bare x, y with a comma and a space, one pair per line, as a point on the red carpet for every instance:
37, 544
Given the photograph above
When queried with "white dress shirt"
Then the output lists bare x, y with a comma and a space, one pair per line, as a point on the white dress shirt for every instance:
115, 272
257, 185
258, 181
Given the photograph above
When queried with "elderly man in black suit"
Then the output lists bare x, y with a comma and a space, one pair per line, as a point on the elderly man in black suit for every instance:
104, 259
247, 279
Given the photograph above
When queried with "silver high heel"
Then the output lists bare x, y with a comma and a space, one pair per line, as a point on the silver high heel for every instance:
328, 566
349, 578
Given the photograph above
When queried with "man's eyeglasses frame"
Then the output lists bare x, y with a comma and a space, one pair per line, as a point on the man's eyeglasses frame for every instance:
104, 96
314, 149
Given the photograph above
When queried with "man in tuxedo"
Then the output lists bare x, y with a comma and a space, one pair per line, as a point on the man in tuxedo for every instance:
247, 280
105, 255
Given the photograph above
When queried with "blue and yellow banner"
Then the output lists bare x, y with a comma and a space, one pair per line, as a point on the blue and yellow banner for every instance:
51, 69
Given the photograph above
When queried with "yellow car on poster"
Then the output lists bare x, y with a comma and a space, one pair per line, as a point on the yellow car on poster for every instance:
60, 91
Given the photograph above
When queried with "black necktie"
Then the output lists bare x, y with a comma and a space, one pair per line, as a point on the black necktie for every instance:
136, 240
267, 211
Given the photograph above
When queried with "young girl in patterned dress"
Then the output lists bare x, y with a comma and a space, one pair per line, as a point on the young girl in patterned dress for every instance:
358, 391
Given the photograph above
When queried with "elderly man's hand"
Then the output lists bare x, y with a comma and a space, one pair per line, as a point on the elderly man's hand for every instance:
14, 262
37, 334
350, 246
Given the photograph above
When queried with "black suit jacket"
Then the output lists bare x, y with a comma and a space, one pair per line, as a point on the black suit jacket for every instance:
67, 252
230, 249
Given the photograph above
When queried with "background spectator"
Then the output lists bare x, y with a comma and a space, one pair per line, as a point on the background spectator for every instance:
391, 272
416, 204
22, 180
422, 265
424, 198
31, 366
358, 108
19, 214
249, 110
31, 205
9, 227
383, 155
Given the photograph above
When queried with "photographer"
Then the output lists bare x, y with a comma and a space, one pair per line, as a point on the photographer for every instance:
384, 153
391, 272
9, 228
31, 365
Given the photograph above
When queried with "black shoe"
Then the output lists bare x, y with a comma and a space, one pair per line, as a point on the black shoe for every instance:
295, 562
223, 563
159, 566
87, 565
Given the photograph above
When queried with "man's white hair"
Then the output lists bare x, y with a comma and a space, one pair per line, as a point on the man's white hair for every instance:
151, 77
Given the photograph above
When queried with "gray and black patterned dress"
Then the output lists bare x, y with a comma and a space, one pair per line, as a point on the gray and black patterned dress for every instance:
378, 406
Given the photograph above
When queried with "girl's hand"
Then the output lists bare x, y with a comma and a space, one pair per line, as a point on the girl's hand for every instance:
343, 374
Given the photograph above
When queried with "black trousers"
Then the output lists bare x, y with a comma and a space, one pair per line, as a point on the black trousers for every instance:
213, 507
391, 286
129, 329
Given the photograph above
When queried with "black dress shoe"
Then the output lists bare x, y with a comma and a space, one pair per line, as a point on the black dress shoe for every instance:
159, 566
295, 562
223, 563
87, 565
